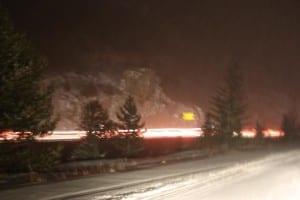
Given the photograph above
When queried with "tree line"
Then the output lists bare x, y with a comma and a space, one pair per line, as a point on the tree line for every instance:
95, 120
26, 106
227, 115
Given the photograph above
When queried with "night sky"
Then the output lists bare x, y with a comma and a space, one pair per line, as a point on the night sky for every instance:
188, 44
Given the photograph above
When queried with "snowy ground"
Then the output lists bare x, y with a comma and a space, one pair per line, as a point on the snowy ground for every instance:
264, 175
270, 178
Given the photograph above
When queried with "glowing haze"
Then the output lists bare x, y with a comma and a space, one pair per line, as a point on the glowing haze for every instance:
188, 43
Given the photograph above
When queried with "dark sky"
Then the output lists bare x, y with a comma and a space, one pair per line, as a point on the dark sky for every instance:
189, 44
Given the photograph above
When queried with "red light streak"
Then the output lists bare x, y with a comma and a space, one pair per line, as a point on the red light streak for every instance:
251, 133
146, 133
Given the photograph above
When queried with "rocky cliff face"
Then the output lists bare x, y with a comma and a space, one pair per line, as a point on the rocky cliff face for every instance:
156, 108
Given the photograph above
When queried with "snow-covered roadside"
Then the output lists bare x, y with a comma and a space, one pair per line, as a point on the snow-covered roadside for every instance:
146, 180
93, 167
205, 183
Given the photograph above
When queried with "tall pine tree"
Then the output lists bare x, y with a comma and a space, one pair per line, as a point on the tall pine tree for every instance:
94, 118
25, 104
290, 126
228, 108
129, 116
129, 143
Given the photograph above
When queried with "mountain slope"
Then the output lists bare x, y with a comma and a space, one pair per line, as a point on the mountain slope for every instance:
156, 108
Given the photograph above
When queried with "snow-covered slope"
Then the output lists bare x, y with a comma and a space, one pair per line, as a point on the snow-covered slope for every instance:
157, 109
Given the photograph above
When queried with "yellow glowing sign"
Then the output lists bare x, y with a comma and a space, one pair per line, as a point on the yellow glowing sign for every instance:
188, 116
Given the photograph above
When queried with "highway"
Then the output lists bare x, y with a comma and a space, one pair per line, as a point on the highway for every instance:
265, 174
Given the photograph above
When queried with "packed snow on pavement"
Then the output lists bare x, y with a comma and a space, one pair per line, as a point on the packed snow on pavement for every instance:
273, 177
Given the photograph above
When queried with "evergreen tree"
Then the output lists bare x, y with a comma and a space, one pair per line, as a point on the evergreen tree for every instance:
289, 125
94, 118
28, 156
88, 149
228, 108
25, 104
259, 131
208, 127
129, 116
259, 136
129, 143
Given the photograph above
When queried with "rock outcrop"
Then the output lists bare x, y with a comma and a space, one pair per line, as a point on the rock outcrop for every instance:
156, 108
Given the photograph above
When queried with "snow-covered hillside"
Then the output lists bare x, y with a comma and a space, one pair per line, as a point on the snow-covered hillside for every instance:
157, 109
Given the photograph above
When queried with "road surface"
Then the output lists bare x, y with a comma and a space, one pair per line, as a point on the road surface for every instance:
248, 175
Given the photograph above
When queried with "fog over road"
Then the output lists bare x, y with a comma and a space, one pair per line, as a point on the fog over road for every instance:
261, 174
